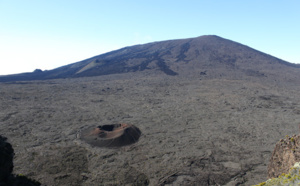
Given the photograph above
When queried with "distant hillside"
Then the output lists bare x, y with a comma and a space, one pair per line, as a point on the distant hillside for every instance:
205, 55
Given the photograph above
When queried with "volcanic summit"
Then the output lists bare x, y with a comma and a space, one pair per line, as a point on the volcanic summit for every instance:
207, 55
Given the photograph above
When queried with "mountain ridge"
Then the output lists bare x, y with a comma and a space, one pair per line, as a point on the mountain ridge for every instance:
172, 57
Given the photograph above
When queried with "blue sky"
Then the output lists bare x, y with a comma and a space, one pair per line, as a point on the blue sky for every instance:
45, 34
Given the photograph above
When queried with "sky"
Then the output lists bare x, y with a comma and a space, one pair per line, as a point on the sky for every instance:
46, 34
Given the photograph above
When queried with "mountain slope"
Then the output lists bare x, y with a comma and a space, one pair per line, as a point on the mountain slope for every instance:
174, 57
210, 111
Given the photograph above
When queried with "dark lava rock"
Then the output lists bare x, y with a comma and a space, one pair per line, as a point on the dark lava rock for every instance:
6, 167
6, 159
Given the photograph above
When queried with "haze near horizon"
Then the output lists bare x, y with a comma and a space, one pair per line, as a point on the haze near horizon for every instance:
46, 35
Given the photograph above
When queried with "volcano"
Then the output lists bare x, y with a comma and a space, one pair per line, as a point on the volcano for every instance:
206, 55
198, 111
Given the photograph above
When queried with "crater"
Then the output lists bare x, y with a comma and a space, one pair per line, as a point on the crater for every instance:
113, 135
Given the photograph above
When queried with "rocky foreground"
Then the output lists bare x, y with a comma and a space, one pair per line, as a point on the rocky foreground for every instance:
208, 131
6, 167
284, 166
284, 156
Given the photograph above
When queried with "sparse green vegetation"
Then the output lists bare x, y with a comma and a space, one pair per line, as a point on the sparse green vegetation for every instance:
261, 184
292, 178
293, 149
292, 139
287, 136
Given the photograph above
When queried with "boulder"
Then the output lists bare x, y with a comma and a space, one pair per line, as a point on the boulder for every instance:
286, 153
6, 159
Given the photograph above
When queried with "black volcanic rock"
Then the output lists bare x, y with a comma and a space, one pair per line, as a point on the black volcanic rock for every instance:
6, 167
173, 57
6, 159
215, 126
